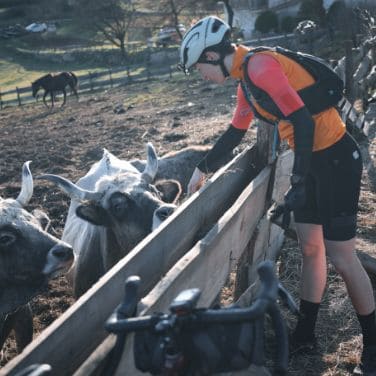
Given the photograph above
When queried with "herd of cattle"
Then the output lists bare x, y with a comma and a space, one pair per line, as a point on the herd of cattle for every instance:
113, 207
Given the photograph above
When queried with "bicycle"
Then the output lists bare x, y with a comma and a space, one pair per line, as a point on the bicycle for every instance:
201, 341
194, 341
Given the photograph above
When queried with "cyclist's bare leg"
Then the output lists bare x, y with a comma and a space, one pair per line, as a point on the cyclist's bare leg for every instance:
313, 281
346, 262
314, 271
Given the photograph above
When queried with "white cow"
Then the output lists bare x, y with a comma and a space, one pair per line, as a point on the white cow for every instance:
114, 206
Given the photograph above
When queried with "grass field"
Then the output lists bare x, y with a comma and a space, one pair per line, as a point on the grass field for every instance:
27, 57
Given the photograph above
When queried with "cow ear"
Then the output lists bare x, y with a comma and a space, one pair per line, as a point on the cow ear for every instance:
170, 190
93, 213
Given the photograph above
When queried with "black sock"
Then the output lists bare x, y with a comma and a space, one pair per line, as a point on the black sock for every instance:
305, 328
368, 325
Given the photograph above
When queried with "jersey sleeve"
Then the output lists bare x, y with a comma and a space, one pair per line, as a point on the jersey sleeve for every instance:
243, 113
267, 74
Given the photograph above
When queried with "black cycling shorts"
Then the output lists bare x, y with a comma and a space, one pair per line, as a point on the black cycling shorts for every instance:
333, 187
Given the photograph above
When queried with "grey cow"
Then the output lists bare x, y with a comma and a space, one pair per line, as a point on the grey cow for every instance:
114, 206
178, 165
28, 257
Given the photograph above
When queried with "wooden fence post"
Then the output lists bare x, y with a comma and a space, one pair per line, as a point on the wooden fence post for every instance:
148, 63
265, 141
129, 78
18, 96
264, 156
110, 74
91, 81
349, 71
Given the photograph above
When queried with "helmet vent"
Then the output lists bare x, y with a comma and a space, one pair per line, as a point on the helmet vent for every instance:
216, 25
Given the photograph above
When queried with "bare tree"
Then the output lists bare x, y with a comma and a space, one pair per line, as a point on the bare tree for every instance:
111, 18
230, 12
175, 12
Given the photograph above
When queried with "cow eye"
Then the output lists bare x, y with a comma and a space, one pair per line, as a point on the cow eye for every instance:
119, 204
118, 208
7, 238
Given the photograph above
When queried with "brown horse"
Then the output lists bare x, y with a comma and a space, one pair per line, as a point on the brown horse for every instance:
52, 83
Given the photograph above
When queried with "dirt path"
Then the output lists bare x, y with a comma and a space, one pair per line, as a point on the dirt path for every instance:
172, 115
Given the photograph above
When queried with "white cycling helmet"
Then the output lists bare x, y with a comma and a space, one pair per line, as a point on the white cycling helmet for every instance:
210, 32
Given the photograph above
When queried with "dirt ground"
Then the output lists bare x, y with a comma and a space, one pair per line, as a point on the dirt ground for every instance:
172, 115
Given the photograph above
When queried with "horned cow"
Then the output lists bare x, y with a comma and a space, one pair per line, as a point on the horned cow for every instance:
178, 165
29, 256
113, 207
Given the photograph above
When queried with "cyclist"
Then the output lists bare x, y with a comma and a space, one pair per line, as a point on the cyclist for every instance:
326, 174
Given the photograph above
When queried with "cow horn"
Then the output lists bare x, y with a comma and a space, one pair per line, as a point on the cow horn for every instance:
71, 189
27, 185
151, 167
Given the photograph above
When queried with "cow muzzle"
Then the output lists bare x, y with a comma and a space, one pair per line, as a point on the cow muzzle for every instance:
59, 259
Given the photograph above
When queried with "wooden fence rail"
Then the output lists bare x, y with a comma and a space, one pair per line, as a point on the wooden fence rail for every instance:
92, 81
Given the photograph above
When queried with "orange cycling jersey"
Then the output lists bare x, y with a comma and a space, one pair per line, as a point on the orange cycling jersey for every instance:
281, 78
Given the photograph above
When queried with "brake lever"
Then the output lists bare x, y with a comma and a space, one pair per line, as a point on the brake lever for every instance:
128, 307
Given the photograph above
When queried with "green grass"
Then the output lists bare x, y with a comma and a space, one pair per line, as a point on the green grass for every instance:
13, 74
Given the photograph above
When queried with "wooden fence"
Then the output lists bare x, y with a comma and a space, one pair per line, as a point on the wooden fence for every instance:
166, 245
93, 81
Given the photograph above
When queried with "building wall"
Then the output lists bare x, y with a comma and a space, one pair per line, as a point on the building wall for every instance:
245, 21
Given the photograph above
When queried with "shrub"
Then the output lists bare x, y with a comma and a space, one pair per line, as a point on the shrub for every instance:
312, 10
337, 13
266, 21
288, 24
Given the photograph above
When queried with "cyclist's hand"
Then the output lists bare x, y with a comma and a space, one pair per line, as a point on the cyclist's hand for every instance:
277, 212
296, 196
196, 182
294, 199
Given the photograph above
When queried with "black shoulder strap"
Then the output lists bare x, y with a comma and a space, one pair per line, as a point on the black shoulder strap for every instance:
260, 96
247, 93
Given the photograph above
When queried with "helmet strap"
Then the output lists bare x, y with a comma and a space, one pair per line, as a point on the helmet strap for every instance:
220, 62
223, 68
